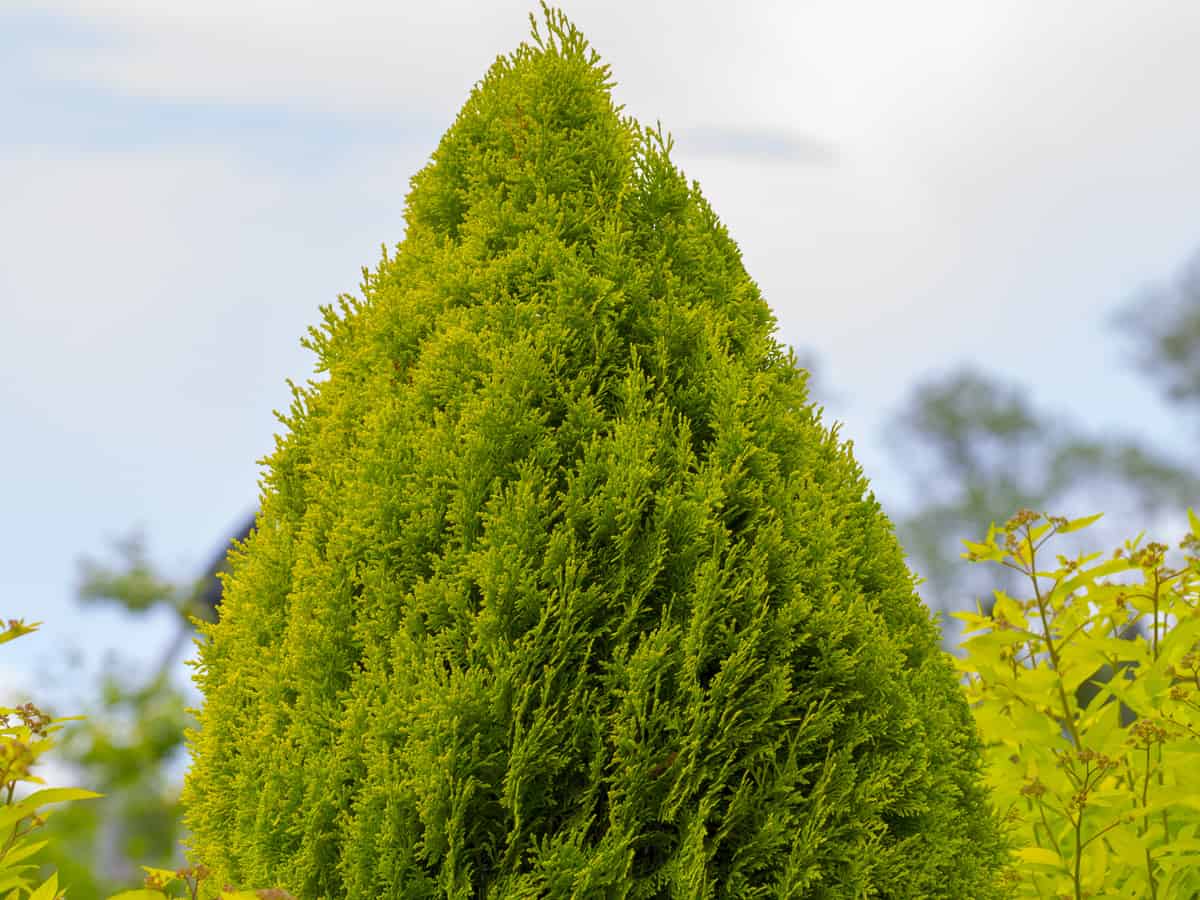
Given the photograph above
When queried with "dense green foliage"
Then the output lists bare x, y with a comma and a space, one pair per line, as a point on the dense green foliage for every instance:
560, 587
1100, 809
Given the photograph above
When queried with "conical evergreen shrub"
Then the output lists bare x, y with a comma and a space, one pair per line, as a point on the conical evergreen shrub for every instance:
559, 587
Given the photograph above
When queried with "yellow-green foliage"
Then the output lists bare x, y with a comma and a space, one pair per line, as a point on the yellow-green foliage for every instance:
1099, 810
195, 881
25, 734
560, 587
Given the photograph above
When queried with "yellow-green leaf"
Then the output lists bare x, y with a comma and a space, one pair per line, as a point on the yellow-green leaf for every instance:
1076, 524
21, 851
48, 890
57, 795
14, 632
15, 880
167, 875
1040, 856
12, 814
982, 552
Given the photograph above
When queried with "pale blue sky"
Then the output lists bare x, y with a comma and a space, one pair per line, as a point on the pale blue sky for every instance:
912, 185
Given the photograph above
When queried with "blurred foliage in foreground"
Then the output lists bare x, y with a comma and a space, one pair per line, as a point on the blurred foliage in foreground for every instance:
126, 745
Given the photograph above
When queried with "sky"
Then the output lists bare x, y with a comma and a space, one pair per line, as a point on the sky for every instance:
913, 186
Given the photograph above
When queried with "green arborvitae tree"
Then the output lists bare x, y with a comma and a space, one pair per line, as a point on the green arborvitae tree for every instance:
559, 586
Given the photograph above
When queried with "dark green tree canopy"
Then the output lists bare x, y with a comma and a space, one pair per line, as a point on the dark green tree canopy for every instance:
559, 586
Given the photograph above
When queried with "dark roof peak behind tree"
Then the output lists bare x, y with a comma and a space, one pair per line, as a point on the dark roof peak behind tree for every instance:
208, 595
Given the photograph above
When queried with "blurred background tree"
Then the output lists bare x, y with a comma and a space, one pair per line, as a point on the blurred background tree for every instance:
130, 746
1166, 322
977, 450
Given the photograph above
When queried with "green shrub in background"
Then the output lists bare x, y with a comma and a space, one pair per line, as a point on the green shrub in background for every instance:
1099, 810
560, 587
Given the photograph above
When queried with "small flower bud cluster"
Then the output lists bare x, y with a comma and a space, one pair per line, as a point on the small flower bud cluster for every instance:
1145, 732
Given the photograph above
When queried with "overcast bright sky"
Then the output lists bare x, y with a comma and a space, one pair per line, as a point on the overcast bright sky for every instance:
912, 185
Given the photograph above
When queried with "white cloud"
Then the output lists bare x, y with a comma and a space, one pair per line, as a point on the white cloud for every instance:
993, 118
758, 144
382, 57
985, 153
